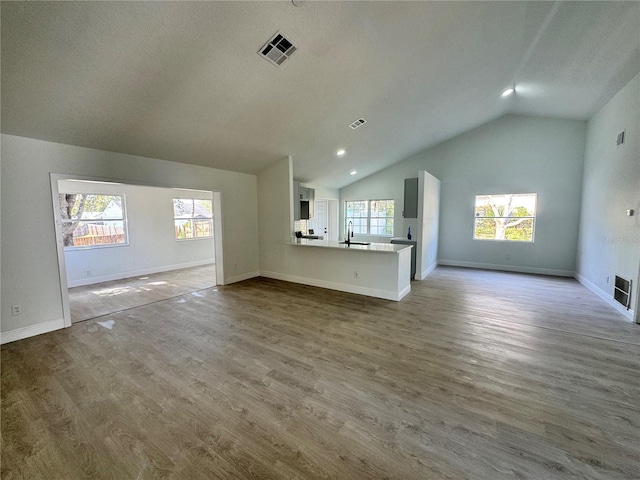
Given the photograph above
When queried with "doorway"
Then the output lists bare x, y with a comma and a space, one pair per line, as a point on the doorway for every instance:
325, 219
122, 245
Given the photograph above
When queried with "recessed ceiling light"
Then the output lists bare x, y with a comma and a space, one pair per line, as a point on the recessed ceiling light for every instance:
341, 152
508, 92
353, 172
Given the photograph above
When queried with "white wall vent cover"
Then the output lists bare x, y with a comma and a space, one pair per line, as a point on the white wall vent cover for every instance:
358, 123
277, 49
620, 139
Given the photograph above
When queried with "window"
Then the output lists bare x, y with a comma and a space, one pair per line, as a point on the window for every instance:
193, 218
370, 217
509, 217
92, 219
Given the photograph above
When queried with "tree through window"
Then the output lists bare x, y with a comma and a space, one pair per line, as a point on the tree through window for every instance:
90, 219
508, 217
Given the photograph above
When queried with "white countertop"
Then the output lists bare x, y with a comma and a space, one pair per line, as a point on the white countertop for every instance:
373, 247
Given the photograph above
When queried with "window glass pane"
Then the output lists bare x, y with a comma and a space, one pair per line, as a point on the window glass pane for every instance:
382, 208
192, 218
183, 207
92, 219
184, 229
360, 226
357, 209
203, 208
203, 228
505, 217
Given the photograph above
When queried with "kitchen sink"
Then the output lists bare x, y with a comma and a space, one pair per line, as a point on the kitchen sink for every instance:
355, 243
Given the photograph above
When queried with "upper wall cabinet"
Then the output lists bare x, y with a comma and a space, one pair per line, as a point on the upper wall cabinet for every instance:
304, 199
410, 198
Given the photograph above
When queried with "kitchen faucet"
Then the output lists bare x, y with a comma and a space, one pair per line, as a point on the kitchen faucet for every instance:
349, 232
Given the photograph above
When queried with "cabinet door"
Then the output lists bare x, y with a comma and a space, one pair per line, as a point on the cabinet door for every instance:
410, 198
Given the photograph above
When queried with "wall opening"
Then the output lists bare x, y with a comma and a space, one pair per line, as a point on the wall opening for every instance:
123, 244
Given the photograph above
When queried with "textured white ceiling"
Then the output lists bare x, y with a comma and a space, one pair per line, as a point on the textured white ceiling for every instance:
181, 81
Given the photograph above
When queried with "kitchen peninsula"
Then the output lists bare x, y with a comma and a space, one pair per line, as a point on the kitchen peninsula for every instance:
380, 270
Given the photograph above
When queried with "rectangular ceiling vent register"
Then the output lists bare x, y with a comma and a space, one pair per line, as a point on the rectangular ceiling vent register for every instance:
620, 139
277, 49
357, 123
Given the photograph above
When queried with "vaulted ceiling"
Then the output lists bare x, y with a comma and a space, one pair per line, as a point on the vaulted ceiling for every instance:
182, 81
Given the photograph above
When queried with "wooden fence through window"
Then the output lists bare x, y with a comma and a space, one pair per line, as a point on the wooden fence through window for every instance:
92, 234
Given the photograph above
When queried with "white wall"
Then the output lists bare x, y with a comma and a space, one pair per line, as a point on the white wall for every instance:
152, 246
275, 206
29, 259
512, 154
609, 242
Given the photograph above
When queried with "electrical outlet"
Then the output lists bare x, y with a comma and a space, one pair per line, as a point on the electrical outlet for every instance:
355, 274
87, 273
607, 278
16, 309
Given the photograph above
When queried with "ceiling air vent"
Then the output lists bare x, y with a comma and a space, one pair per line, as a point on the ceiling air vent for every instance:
620, 139
358, 123
277, 49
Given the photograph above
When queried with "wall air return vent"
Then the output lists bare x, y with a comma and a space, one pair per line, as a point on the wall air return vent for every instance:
622, 291
277, 49
620, 139
358, 123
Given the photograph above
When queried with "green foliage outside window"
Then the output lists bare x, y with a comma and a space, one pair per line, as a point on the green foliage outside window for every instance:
505, 217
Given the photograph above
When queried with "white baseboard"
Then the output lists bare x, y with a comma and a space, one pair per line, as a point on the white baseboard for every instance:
403, 293
426, 272
31, 331
508, 268
135, 273
343, 287
241, 277
629, 314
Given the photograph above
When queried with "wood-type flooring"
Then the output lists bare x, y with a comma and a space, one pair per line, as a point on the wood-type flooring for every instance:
474, 375
91, 301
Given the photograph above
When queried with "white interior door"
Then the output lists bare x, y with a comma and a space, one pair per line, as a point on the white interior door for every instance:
319, 222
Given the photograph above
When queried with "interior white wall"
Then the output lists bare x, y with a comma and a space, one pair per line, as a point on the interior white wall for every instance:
29, 260
151, 247
609, 242
275, 207
512, 154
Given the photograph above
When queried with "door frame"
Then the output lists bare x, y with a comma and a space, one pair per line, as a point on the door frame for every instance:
62, 265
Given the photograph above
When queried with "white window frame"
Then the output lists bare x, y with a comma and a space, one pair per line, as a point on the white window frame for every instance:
533, 217
125, 224
193, 219
369, 217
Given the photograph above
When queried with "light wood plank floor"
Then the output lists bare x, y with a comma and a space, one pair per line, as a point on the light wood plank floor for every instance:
91, 301
475, 375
